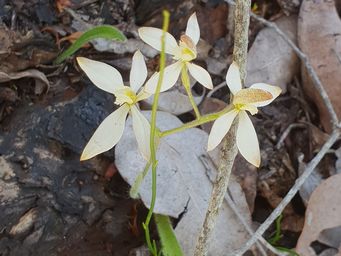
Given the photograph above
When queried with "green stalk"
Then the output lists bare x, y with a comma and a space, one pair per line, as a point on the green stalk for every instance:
187, 84
134, 190
152, 247
201, 120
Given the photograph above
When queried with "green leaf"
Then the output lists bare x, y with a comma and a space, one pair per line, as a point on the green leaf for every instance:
274, 239
170, 245
289, 251
105, 31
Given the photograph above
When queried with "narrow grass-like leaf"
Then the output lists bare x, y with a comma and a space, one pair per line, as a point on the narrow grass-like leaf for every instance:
105, 31
170, 245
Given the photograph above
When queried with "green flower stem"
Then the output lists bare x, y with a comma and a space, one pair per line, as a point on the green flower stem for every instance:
186, 82
201, 120
153, 132
134, 190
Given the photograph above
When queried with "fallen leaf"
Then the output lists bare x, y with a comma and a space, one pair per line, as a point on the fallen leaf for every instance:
323, 213
25, 223
62, 4
270, 59
174, 101
183, 185
216, 66
319, 30
36, 74
213, 22
72, 38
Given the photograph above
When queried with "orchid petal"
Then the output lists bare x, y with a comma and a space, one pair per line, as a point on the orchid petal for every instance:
101, 74
141, 128
274, 90
220, 128
143, 94
247, 141
233, 78
138, 72
200, 74
152, 36
107, 134
170, 76
193, 30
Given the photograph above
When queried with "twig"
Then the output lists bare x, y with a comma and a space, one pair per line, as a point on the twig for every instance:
211, 170
299, 182
215, 89
316, 81
229, 149
235, 209
287, 132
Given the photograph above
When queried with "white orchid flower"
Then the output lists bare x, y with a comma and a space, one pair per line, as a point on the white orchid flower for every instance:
111, 129
249, 99
184, 53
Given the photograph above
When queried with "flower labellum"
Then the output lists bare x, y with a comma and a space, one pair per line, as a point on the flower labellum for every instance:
183, 53
111, 129
249, 99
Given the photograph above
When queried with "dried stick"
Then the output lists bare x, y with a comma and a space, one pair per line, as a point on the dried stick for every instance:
235, 209
299, 182
229, 149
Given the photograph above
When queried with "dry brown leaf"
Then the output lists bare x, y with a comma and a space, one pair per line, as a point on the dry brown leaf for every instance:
62, 4
271, 60
41, 81
72, 38
323, 213
319, 37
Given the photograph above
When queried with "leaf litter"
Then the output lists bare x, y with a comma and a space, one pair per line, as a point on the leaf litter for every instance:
270, 181
183, 185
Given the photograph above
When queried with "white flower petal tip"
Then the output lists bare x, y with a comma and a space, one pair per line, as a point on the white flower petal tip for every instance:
220, 128
201, 75
152, 36
138, 72
193, 30
101, 74
233, 80
247, 141
170, 76
107, 134
141, 128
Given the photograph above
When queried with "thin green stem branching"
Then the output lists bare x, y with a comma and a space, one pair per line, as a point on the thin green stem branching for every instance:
201, 120
153, 133
187, 84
